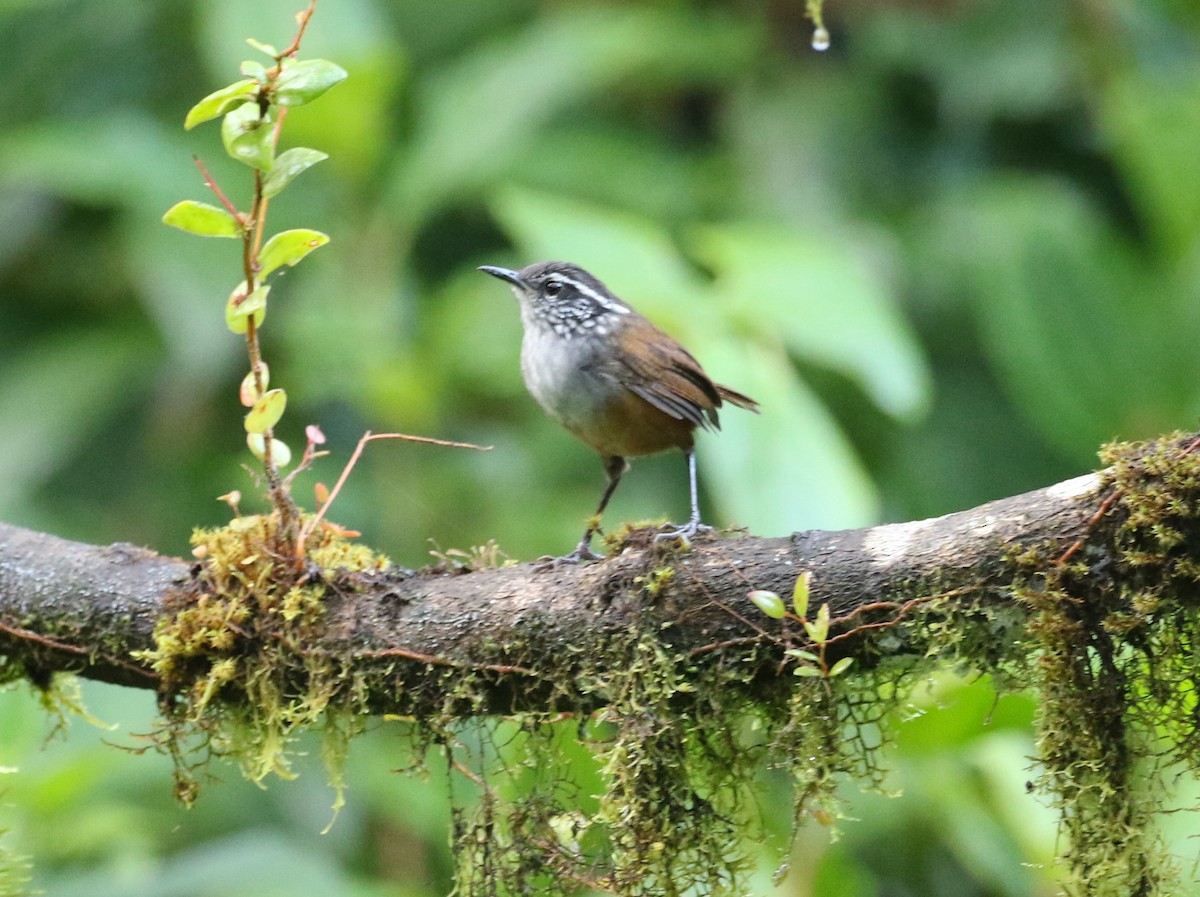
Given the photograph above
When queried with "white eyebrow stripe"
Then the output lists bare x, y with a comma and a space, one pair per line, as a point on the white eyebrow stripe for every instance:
603, 301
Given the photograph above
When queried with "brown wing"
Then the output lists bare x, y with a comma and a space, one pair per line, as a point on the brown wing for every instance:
659, 370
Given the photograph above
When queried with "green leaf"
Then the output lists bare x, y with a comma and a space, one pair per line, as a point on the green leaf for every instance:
800, 593
1051, 280
202, 219
220, 101
803, 655
840, 667
818, 630
264, 48
266, 411
66, 389
280, 453
288, 247
249, 138
288, 165
248, 393
801, 670
255, 70
505, 94
831, 300
241, 307
768, 602
302, 82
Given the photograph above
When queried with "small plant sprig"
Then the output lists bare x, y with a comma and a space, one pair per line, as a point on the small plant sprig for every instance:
254, 110
809, 663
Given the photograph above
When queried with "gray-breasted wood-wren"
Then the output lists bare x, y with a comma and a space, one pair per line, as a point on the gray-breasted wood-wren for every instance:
612, 378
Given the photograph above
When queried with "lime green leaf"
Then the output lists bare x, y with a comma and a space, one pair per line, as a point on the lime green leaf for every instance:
219, 102
255, 70
202, 219
248, 138
302, 82
811, 672
288, 165
266, 411
249, 393
840, 667
281, 455
768, 602
265, 48
241, 307
818, 630
803, 655
831, 300
288, 247
800, 593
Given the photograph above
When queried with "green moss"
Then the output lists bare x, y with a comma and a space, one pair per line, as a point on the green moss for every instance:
1116, 626
242, 664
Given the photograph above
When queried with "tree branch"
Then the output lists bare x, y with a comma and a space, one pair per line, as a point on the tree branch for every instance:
83, 608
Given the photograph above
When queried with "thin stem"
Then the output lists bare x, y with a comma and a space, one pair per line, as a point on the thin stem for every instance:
311, 523
217, 191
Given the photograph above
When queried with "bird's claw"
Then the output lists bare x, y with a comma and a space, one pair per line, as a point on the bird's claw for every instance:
582, 552
684, 533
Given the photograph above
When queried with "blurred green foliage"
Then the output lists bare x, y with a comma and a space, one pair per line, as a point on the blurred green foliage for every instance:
949, 256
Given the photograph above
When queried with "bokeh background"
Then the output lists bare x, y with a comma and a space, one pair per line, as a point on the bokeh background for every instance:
950, 256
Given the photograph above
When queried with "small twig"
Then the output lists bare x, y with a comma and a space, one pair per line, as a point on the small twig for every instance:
218, 192
302, 19
434, 660
311, 525
1100, 512
66, 647
721, 646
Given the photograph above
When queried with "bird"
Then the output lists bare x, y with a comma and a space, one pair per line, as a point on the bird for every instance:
613, 379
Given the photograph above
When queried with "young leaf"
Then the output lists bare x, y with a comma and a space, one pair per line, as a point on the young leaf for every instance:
840, 667
280, 453
800, 593
806, 671
248, 137
803, 655
240, 307
249, 394
768, 602
255, 70
819, 631
302, 82
219, 101
264, 48
288, 247
202, 219
288, 165
266, 411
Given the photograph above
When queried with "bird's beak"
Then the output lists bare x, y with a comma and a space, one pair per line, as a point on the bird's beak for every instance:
505, 274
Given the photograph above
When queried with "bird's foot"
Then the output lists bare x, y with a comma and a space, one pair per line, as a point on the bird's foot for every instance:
685, 533
583, 552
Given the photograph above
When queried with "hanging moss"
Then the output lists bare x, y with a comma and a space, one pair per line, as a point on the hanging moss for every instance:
15, 869
241, 659
1117, 626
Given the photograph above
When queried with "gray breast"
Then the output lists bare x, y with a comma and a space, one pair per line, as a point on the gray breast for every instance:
562, 374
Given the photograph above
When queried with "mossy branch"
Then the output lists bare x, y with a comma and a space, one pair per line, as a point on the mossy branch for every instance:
1088, 590
86, 609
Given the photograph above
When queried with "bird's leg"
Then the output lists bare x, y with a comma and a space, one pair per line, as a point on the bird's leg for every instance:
614, 467
693, 526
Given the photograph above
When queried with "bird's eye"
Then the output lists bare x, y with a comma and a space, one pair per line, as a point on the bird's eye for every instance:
552, 288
